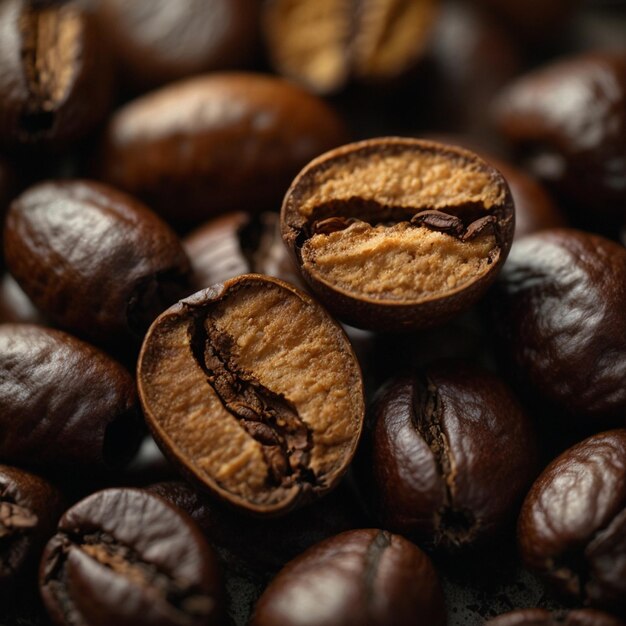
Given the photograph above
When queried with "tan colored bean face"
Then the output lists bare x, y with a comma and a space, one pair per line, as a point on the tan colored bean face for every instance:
254, 391
398, 233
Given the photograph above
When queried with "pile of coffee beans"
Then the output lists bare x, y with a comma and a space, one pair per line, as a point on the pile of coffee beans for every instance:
313, 313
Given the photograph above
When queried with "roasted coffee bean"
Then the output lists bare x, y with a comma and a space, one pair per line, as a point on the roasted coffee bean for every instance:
415, 250
62, 402
568, 121
15, 306
239, 243
365, 577
223, 142
541, 617
94, 260
29, 509
125, 556
263, 546
160, 41
254, 391
55, 75
558, 306
326, 45
452, 454
572, 527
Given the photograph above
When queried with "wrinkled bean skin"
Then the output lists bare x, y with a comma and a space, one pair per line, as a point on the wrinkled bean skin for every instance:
452, 454
127, 557
558, 307
63, 402
156, 44
29, 509
94, 260
541, 617
570, 119
216, 143
572, 526
55, 75
361, 577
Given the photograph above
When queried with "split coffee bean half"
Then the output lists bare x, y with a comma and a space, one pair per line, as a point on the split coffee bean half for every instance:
398, 234
125, 556
254, 391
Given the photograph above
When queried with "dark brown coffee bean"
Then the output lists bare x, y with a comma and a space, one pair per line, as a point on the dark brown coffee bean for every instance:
541, 617
93, 259
263, 545
29, 509
366, 577
55, 75
254, 391
239, 243
62, 402
127, 557
326, 45
158, 41
569, 121
224, 142
452, 455
572, 527
412, 254
559, 306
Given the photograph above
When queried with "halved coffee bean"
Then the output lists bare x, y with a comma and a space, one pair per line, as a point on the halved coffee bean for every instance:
254, 391
397, 234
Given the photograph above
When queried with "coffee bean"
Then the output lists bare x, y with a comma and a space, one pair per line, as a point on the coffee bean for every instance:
325, 46
541, 617
452, 454
254, 391
216, 143
572, 527
62, 402
558, 305
568, 120
416, 249
367, 577
239, 243
125, 556
263, 546
94, 260
156, 42
29, 509
55, 75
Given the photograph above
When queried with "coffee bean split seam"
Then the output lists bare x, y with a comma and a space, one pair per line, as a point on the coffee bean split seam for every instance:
123, 560
453, 526
46, 36
267, 417
373, 557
